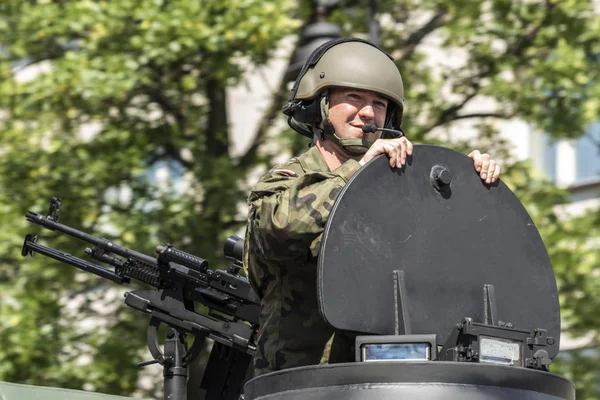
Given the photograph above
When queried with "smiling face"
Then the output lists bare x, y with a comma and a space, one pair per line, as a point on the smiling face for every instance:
350, 109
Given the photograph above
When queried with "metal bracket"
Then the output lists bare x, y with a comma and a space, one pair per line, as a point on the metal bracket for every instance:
54, 209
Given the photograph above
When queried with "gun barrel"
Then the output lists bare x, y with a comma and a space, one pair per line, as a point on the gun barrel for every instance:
30, 246
101, 243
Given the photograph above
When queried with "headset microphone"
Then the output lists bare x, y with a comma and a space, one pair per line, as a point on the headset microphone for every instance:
391, 133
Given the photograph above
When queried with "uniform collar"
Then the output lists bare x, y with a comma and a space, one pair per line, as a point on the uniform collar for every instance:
312, 160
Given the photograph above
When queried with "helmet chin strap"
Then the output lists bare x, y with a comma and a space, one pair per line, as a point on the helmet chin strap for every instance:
352, 147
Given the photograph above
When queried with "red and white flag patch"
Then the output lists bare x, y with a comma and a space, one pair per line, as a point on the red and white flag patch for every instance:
286, 172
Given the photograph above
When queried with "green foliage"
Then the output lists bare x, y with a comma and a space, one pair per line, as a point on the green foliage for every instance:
98, 96
582, 367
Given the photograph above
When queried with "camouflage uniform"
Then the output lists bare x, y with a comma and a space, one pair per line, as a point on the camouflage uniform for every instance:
289, 207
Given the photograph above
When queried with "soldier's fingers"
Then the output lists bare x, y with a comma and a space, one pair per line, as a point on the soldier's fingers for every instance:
476, 156
390, 150
399, 151
403, 151
379, 147
396, 150
490, 171
496, 173
485, 164
409, 147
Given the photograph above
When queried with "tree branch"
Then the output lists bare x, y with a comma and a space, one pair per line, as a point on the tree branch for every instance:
279, 96
527, 39
411, 43
595, 142
448, 114
482, 115
216, 126
516, 50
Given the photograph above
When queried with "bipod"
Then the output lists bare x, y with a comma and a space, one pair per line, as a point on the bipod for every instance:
174, 360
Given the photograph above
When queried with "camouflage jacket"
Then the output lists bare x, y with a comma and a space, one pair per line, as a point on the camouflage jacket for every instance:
289, 207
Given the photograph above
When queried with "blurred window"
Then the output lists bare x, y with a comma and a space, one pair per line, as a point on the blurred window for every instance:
550, 157
588, 154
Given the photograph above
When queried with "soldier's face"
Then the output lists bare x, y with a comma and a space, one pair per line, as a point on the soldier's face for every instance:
350, 109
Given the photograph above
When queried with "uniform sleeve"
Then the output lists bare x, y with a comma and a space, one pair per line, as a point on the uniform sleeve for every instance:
288, 213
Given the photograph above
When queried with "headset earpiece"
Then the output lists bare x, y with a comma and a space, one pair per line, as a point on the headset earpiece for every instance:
307, 112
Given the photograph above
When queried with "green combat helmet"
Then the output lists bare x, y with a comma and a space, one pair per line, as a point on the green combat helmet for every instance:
345, 62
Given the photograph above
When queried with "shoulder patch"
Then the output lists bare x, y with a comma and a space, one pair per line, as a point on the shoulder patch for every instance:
286, 172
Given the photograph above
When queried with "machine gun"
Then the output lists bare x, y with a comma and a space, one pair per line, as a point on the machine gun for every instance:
179, 280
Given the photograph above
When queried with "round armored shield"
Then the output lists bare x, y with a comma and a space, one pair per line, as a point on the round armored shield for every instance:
415, 247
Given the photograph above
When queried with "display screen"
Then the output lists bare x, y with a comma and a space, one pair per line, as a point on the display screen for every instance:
500, 351
396, 352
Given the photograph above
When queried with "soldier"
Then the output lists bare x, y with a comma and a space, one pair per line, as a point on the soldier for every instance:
345, 84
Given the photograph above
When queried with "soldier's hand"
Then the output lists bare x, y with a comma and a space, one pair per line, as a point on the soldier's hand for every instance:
396, 149
487, 168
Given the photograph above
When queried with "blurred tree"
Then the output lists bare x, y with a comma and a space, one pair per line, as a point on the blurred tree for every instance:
97, 98
125, 88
